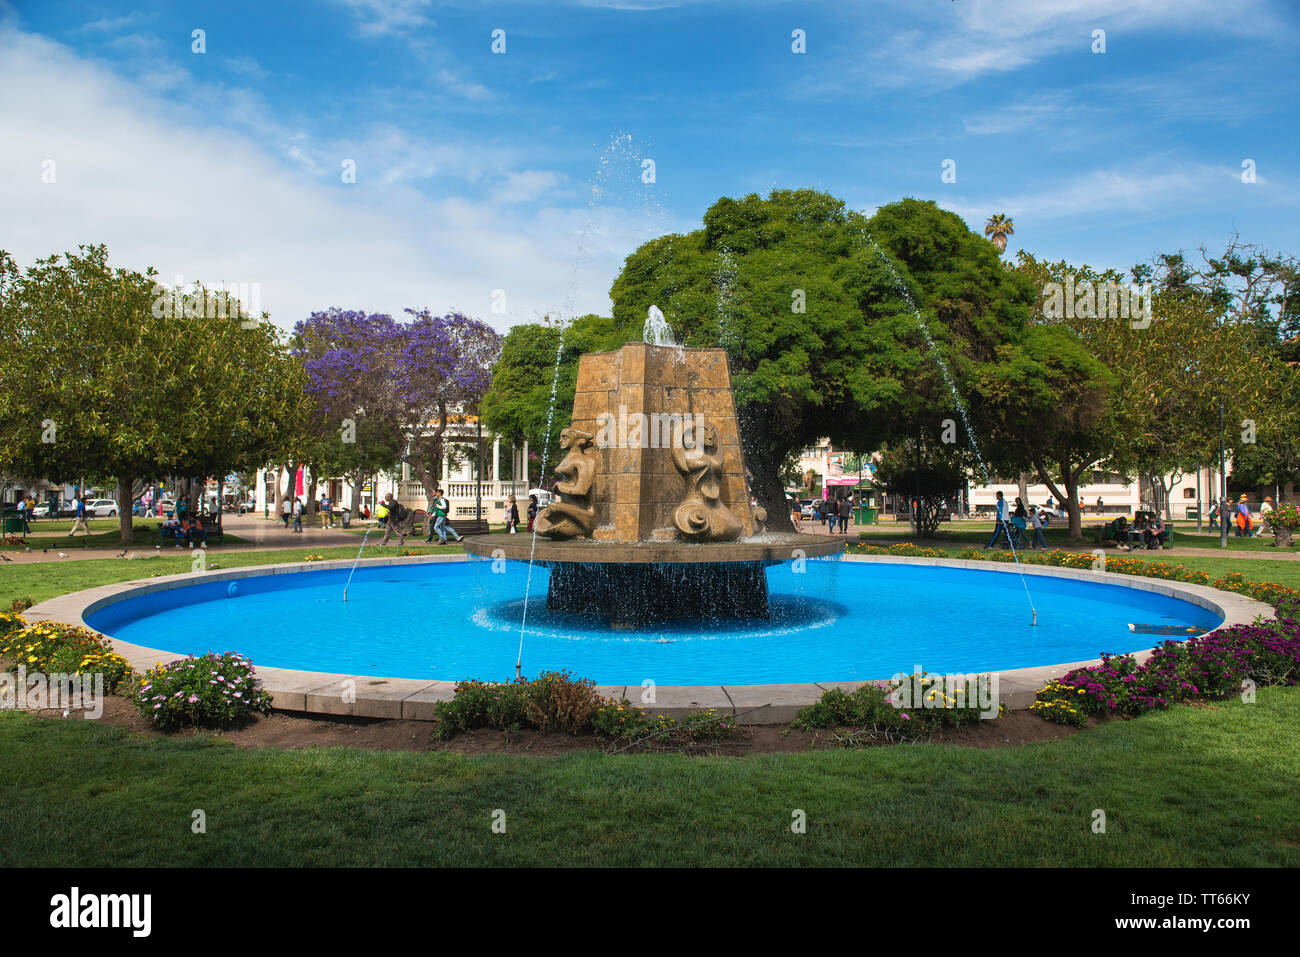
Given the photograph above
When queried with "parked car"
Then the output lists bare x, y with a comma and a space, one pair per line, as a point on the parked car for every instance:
42, 510
101, 508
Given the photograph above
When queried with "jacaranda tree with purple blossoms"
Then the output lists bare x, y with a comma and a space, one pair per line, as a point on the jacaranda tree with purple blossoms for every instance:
402, 381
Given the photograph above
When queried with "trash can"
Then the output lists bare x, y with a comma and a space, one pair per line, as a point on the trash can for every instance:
1193, 513
347, 518
866, 515
13, 525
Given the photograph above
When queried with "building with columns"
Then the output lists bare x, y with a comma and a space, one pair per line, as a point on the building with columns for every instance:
459, 478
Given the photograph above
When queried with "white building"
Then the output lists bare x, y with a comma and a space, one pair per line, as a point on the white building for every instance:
459, 479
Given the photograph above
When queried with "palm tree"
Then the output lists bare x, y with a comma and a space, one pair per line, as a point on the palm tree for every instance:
998, 228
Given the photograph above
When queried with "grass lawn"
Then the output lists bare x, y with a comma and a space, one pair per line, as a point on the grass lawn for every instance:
1193, 786
104, 533
42, 580
969, 534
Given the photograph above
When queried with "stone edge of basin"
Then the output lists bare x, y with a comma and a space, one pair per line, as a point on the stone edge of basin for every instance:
314, 692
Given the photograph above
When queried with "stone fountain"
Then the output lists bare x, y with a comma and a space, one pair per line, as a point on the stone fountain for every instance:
653, 520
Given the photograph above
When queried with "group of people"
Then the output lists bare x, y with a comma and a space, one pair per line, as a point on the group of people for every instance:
399, 520
1014, 522
512, 514
1150, 530
185, 528
1243, 522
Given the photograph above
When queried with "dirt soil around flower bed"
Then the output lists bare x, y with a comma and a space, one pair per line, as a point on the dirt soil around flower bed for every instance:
291, 731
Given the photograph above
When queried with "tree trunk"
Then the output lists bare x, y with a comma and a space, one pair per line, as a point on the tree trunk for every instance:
278, 493
764, 463
309, 513
1022, 486
1071, 496
125, 494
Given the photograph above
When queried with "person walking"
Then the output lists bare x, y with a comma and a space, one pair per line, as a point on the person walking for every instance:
512, 515
79, 507
1001, 527
397, 521
1036, 520
297, 514
845, 511
1214, 514
1244, 522
286, 509
326, 512
24, 515
532, 511
441, 507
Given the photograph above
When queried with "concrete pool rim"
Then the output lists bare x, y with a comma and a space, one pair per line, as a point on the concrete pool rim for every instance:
314, 692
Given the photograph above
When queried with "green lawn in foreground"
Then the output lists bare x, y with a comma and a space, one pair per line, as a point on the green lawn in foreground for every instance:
1187, 787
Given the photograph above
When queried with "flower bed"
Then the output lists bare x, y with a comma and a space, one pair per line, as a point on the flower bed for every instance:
901, 548
1228, 661
555, 701
207, 691
911, 709
51, 647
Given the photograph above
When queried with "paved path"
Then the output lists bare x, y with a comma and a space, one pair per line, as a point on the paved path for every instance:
264, 536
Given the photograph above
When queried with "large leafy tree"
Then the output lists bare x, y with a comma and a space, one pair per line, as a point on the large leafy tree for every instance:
531, 397
108, 374
408, 379
836, 325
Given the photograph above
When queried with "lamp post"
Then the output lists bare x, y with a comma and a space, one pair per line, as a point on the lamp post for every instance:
1223, 484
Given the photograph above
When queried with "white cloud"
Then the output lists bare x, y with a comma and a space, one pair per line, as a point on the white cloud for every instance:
161, 186
377, 18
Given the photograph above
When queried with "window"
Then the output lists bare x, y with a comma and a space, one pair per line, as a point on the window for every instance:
1189, 493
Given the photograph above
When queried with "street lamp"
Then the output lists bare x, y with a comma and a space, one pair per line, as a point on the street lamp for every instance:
1223, 479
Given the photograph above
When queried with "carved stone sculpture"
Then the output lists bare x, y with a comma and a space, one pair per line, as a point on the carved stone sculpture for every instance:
702, 516
573, 516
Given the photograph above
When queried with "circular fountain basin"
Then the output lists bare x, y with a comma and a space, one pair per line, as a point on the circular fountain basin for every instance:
412, 627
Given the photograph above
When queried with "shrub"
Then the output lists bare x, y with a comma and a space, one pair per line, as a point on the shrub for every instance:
52, 647
211, 690
913, 707
617, 718
10, 621
483, 704
19, 605
556, 702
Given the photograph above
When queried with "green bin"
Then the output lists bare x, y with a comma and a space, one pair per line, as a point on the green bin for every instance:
1193, 513
866, 515
14, 525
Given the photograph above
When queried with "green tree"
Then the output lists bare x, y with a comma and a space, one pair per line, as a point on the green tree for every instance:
520, 401
815, 307
107, 373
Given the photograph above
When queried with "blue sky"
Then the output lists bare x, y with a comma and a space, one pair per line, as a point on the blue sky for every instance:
475, 170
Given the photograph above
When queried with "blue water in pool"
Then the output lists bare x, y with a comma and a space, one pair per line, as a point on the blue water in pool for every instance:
835, 621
